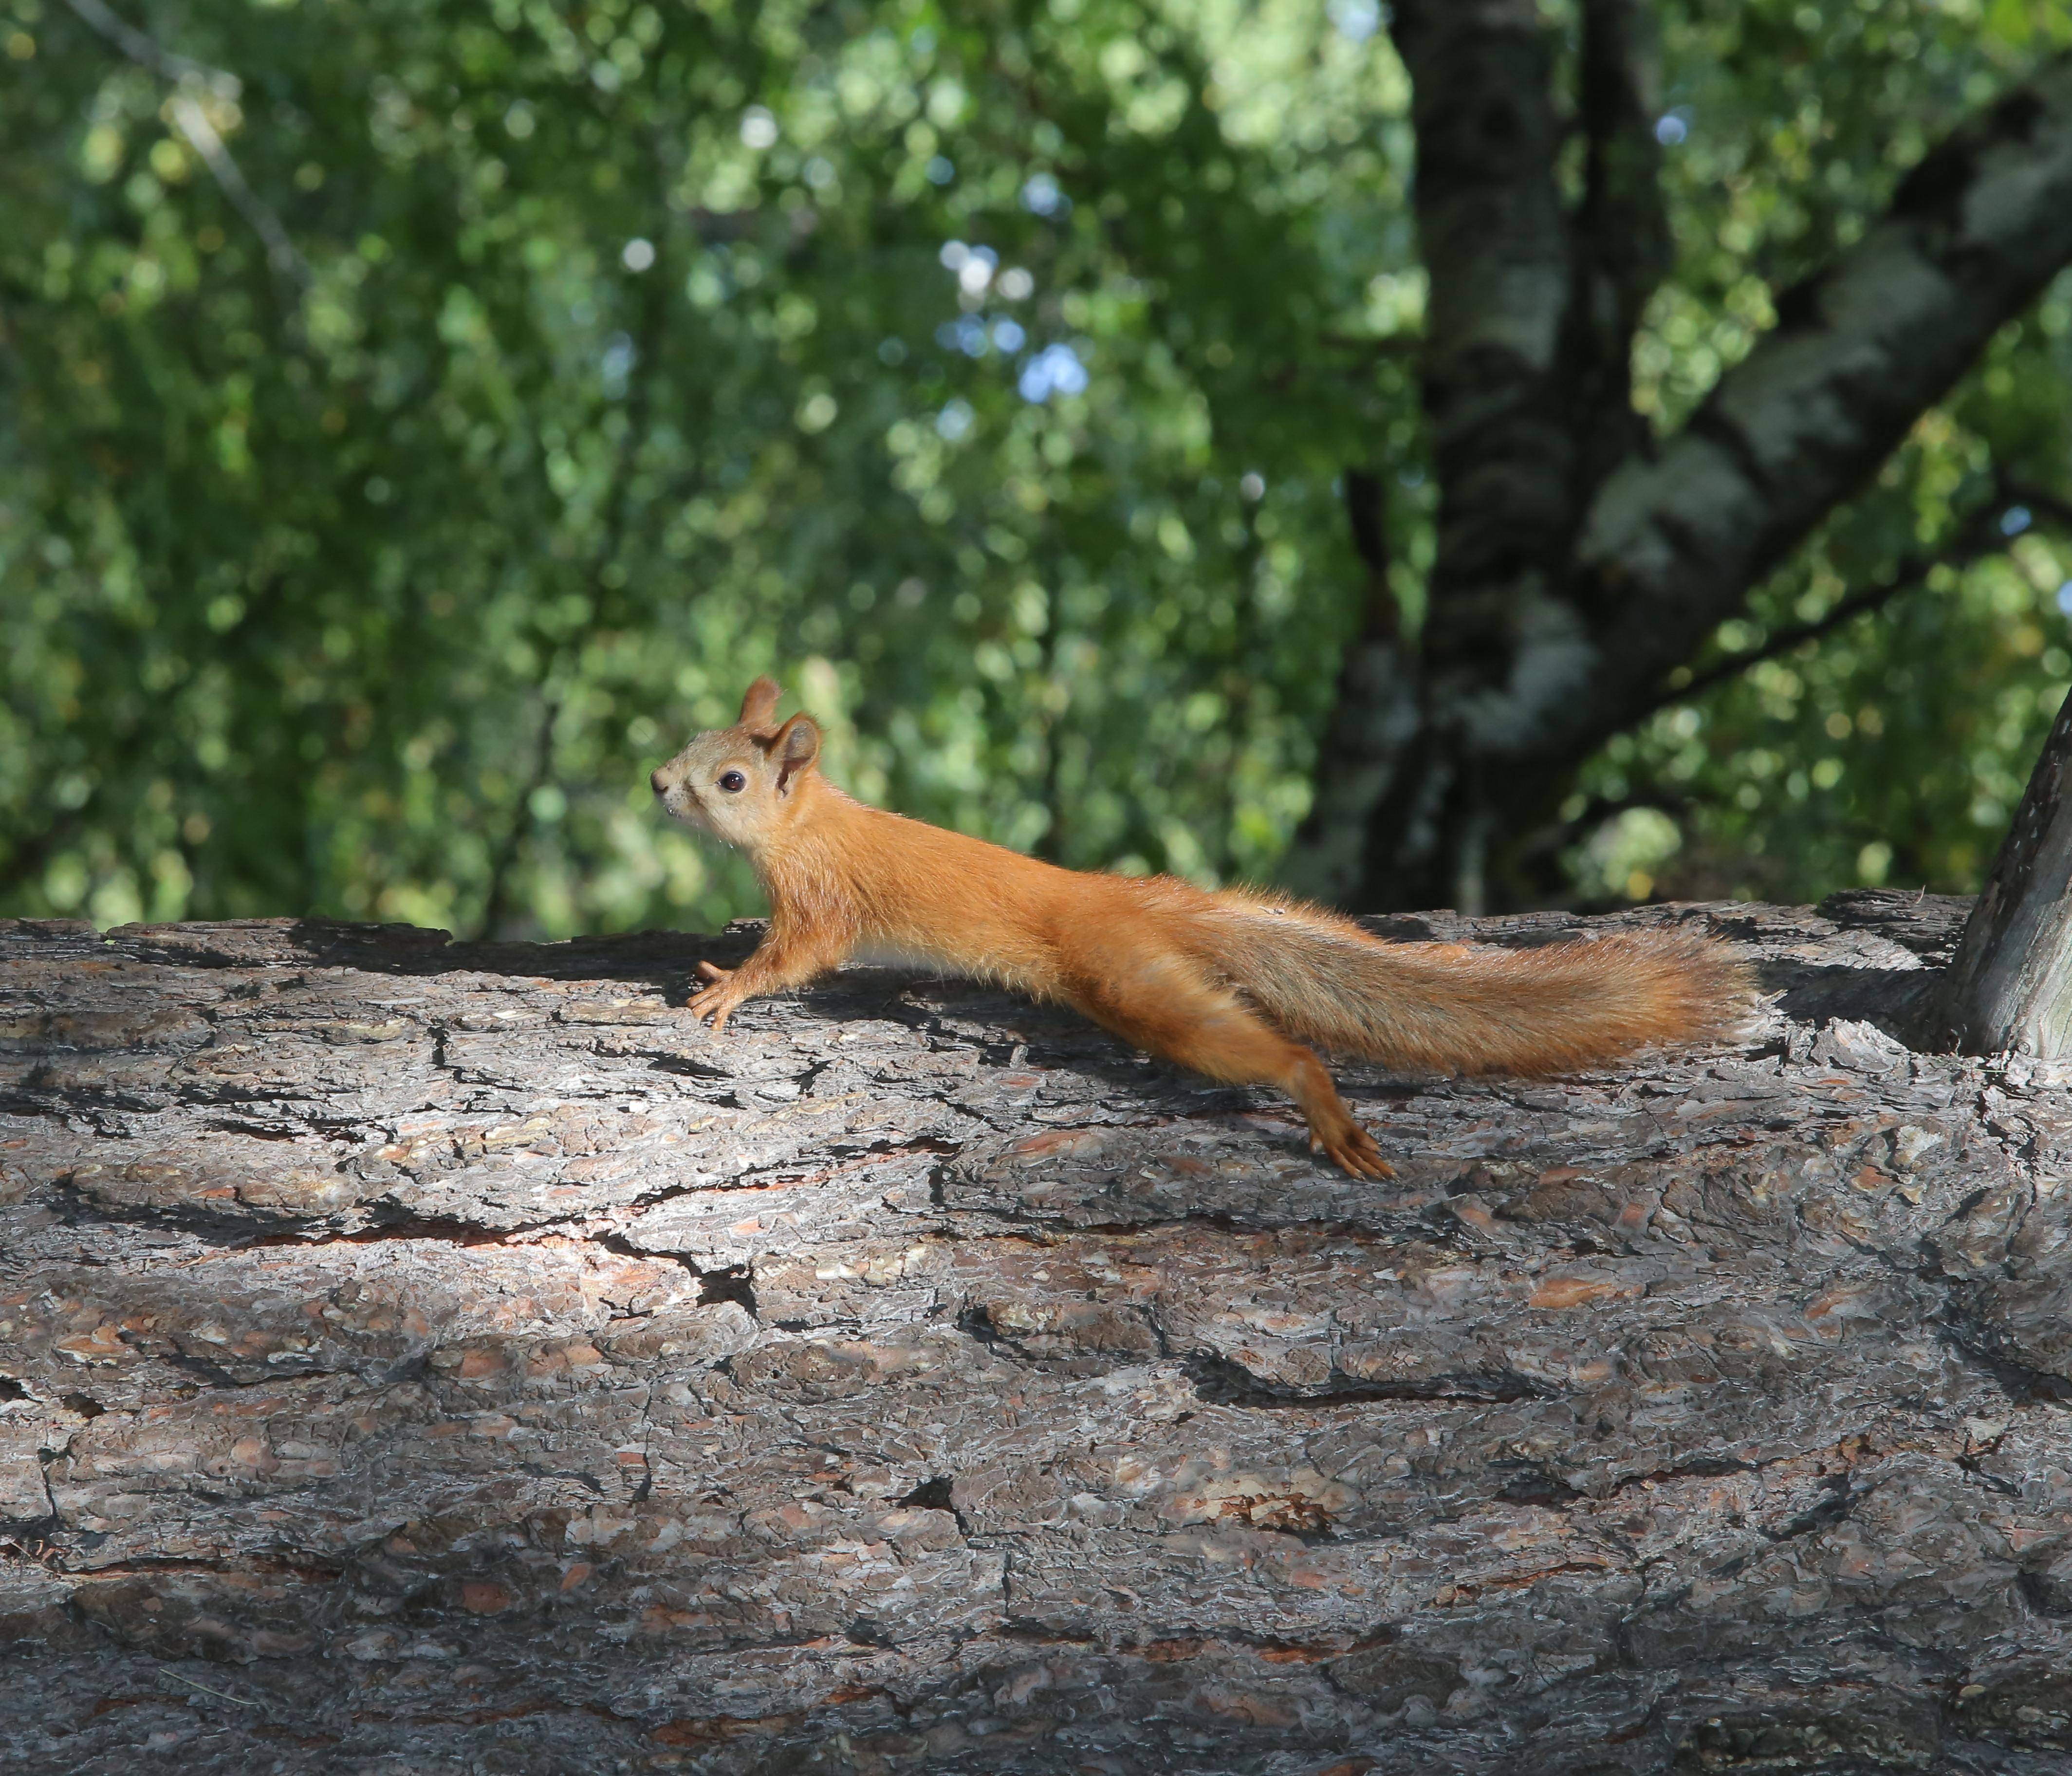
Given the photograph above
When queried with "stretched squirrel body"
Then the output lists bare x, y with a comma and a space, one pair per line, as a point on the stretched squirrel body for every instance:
1232, 983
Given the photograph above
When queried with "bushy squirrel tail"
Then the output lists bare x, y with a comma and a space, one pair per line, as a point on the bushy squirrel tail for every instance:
1459, 1008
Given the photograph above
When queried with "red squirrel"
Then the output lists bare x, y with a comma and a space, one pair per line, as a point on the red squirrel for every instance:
1232, 982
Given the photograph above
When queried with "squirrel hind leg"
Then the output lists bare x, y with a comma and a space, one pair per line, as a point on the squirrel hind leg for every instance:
1206, 1028
1332, 1131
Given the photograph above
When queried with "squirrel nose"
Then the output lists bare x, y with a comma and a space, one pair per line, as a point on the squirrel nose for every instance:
656, 781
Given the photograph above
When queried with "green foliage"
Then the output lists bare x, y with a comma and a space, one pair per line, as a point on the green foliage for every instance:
629, 365
623, 353
1894, 748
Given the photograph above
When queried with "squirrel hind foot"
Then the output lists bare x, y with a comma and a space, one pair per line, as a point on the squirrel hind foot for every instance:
1351, 1148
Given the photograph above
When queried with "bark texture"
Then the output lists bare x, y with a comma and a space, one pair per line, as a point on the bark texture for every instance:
2010, 987
1578, 561
436, 1358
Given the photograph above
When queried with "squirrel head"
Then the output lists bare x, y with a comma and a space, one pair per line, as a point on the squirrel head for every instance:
742, 784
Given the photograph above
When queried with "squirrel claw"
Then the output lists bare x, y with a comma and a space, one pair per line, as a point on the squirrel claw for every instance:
716, 1009
1352, 1149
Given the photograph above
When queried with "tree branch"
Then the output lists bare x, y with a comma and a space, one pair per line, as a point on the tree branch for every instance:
1624, 222
190, 77
1623, 245
2009, 986
1981, 536
1674, 541
1367, 516
1375, 707
147, 52
1860, 351
802, 1486
1785, 641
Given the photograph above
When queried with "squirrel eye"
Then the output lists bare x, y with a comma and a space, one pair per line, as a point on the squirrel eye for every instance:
733, 782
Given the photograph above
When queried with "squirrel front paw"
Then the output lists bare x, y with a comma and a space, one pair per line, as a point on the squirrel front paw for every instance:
719, 998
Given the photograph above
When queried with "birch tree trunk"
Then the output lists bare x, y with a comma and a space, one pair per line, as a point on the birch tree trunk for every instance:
429, 1357
1581, 560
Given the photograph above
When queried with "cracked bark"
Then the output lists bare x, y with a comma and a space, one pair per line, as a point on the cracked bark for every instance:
1578, 561
446, 1356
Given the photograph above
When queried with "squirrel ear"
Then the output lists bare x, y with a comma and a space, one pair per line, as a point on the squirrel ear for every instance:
759, 704
794, 747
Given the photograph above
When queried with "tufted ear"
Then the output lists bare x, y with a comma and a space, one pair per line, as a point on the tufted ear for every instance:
759, 704
793, 748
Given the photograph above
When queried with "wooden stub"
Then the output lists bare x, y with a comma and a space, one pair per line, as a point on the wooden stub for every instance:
2010, 989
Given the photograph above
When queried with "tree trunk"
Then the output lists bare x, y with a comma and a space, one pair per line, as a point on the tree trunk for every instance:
446, 1357
2010, 989
1578, 561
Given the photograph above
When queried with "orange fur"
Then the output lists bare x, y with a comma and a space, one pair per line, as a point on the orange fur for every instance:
1221, 982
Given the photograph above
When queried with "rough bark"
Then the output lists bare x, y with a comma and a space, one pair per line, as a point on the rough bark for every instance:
2010, 987
433, 1357
1570, 579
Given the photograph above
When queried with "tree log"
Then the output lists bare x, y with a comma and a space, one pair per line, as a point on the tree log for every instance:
439, 1357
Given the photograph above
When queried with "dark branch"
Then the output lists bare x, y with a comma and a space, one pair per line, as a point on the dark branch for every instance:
1375, 706
1786, 641
147, 52
1983, 535
1624, 222
1624, 249
1366, 514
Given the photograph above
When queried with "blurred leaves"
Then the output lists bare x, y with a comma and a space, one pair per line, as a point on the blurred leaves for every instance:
636, 358
984, 372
